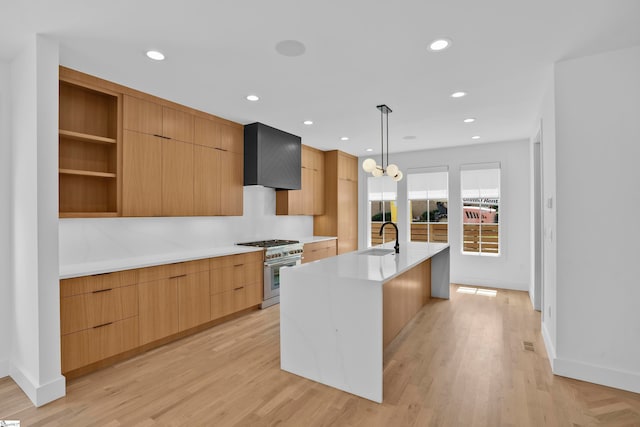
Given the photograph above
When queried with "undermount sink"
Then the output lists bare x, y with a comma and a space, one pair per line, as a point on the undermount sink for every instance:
377, 252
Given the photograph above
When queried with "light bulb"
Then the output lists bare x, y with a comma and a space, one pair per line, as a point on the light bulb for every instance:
369, 165
377, 172
398, 177
392, 170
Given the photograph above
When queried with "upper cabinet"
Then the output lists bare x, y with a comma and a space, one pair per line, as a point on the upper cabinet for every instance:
127, 153
309, 200
89, 141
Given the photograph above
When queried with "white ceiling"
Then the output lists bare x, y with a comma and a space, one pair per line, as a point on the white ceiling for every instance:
359, 53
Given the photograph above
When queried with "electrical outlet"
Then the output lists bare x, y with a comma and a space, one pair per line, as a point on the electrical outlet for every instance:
549, 202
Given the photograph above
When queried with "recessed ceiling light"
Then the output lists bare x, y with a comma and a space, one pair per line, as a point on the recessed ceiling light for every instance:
469, 120
155, 55
475, 137
344, 138
368, 150
253, 97
308, 122
440, 44
458, 94
409, 137
290, 48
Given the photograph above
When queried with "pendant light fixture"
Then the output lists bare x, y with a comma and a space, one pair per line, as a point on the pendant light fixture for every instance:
370, 165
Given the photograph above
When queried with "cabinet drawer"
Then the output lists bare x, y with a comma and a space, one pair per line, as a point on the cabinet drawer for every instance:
97, 282
318, 250
91, 345
85, 311
228, 302
229, 260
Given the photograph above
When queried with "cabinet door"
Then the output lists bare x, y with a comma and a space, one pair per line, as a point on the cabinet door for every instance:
231, 183
308, 175
142, 116
177, 178
158, 309
318, 184
194, 304
206, 180
232, 138
207, 133
222, 304
347, 215
141, 175
177, 125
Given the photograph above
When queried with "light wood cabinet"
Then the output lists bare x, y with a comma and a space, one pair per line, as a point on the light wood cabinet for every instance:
89, 141
236, 283
95, 344
193, 298
341, 201
142, 116
158, 302
126, 153
106, 315
318, 250
309, 200
218, 168
142, 162
98, 318
177, 178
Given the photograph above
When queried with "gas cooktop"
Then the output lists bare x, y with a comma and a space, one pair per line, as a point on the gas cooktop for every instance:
269, 243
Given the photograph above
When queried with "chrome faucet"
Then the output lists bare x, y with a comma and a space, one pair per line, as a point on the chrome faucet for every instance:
397, 246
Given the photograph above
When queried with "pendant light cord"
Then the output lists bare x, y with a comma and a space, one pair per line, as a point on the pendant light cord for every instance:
381, 141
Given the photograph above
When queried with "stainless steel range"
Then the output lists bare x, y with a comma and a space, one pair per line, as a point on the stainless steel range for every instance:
277, 254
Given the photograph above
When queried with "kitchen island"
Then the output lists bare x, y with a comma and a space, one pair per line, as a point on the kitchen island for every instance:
338, 314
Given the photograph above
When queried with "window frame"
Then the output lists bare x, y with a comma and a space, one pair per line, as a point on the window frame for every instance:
500, 248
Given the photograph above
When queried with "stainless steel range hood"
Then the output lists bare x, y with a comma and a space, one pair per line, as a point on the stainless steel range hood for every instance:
271, 157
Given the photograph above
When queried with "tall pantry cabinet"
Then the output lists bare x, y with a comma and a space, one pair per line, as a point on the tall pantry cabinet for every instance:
341, 201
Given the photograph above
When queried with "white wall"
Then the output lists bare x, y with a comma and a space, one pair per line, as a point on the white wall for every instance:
6, 307
598, 149
510, 270
35, 352
87, 240
546, 124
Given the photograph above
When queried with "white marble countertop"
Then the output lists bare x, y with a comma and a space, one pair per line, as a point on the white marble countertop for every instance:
354, 265
141, 256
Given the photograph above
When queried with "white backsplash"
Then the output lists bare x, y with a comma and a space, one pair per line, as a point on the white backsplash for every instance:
96, 239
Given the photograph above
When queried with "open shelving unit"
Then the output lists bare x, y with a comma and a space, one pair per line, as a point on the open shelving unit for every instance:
89, 130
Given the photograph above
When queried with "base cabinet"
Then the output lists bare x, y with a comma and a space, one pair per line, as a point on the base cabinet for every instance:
105, 315
318, 250
158, 309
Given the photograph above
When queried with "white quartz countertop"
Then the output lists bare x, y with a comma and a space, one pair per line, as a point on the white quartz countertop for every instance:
78, 263
313, 239
354, 265
118, 263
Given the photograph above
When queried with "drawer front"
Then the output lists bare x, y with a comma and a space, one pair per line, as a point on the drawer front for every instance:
221, 304
91, 345
98, 282
85, 311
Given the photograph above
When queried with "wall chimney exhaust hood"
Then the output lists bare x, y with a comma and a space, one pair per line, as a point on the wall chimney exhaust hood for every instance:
271, 157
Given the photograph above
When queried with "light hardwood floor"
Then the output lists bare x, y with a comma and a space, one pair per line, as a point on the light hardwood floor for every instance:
459, 363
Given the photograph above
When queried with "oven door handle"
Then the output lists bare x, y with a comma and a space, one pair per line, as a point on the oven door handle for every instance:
284, 262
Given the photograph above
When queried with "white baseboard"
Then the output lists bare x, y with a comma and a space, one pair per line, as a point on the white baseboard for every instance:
551, 350
4, 368
39, 394
623, 380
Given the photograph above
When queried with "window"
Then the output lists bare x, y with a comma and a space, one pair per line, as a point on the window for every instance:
382, 207
428, 206
480, 185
